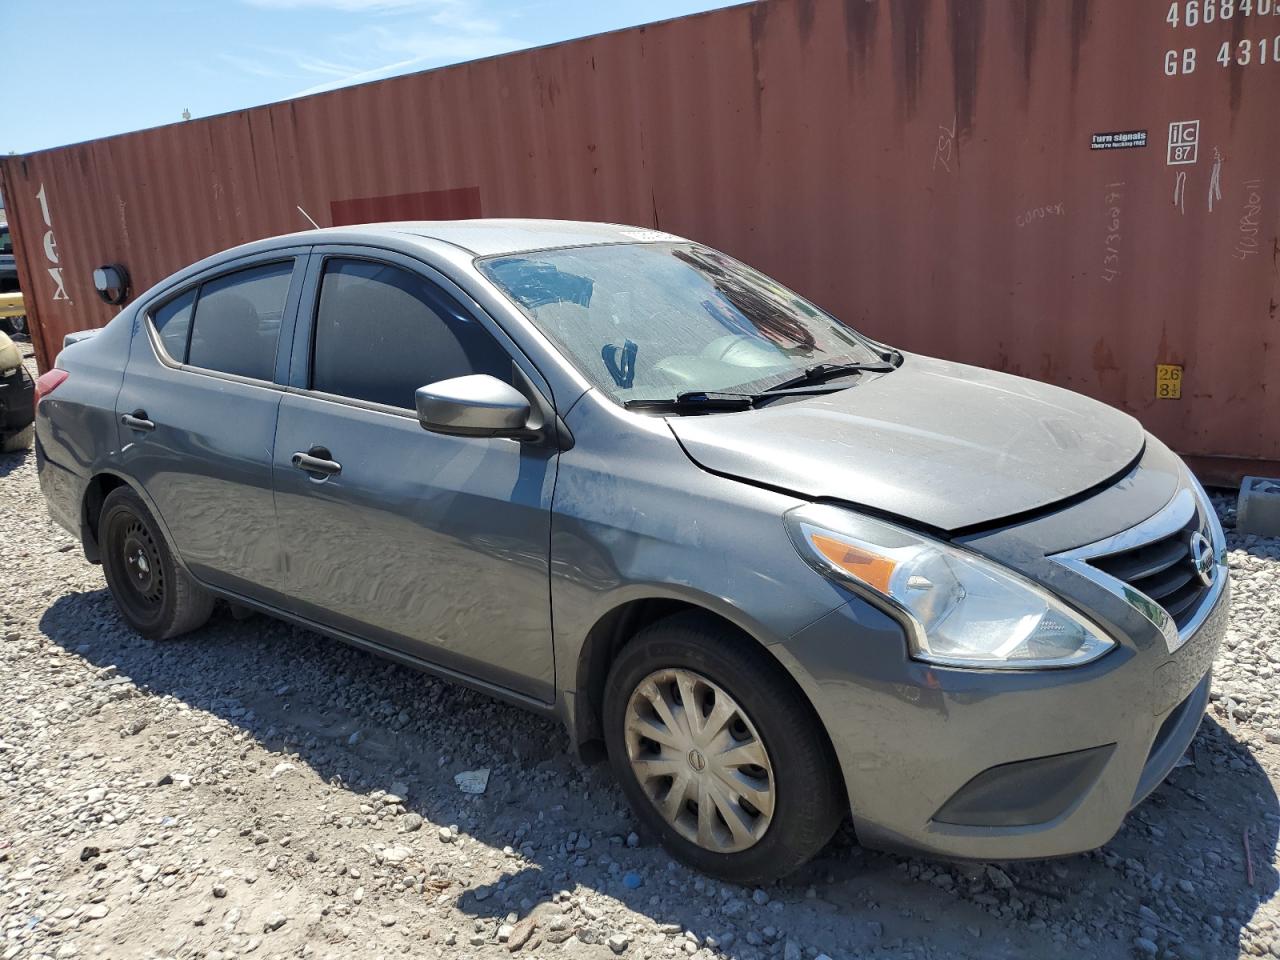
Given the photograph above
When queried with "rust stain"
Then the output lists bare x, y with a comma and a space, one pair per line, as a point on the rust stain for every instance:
1079, 31
1235, 73
908, 19
759, 20
1026, 22
1103, 359
966, 21
804, 17
860, 32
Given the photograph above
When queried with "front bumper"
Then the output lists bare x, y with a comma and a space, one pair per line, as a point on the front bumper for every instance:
909, 746
995, 765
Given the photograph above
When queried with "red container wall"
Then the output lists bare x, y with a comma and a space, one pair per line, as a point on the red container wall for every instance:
926, 169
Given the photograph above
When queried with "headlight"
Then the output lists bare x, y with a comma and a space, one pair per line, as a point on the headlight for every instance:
961, 610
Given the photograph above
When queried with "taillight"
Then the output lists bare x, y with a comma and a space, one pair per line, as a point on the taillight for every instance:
48, 382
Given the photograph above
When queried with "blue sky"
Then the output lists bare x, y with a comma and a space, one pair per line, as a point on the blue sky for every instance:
75, 70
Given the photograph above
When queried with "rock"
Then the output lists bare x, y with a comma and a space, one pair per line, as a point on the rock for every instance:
791, 951
520, 933
760, 897
446, 835
618, 943
280, 769
1145, 946
998, 878
95, 911
219, 890
387, 920
632, 881
473, 781
396, 854
504, 932
274, 922
411, 823
633, 840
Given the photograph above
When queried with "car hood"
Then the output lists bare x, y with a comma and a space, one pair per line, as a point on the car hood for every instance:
944, 444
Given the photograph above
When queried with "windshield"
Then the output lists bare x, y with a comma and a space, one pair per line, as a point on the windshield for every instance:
653, 320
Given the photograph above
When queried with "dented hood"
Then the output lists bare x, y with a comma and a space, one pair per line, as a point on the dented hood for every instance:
944, 444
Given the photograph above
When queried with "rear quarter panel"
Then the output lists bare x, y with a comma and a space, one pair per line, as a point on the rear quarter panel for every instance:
76, 431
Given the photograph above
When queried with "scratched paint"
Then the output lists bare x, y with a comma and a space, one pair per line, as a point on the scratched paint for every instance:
922, 168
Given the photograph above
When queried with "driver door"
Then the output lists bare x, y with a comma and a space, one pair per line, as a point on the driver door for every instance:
434, 545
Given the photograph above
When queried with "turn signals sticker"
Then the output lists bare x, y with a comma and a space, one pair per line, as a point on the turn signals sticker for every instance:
1168, 381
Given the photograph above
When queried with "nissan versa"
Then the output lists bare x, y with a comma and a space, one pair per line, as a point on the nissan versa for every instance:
781, 572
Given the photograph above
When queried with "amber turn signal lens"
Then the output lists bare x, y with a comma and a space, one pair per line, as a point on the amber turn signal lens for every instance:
862, 565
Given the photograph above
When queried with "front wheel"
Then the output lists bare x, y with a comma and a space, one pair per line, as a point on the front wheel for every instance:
156, 596
718, 752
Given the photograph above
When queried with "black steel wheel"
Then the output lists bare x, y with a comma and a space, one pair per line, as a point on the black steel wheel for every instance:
156, 596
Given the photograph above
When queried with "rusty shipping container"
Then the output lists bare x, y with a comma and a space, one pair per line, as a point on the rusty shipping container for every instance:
1083, 192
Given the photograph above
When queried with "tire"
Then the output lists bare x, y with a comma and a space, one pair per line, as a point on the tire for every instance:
719, 666
18, 441
156, 596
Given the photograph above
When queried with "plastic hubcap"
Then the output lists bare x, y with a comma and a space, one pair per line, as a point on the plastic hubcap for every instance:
700, 761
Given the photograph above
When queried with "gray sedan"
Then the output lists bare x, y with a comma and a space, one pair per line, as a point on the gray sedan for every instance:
778, 572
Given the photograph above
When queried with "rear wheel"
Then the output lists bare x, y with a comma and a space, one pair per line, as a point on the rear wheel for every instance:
720, 755
155, 595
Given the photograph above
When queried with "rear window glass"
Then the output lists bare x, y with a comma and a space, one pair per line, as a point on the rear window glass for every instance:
172, 321
237, 322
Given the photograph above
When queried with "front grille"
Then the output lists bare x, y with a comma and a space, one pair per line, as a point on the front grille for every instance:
1163, 570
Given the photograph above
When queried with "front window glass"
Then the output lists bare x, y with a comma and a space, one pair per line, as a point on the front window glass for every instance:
383, 332
651, 320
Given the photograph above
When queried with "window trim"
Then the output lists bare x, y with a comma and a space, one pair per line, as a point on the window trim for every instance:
288, 316
300, 371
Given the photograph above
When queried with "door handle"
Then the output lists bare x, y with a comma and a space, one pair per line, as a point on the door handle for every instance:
138, 421
316, 461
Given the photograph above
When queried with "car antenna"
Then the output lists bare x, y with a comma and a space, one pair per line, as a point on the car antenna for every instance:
308, 216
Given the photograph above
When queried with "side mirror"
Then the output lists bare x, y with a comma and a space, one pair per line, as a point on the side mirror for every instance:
475, 406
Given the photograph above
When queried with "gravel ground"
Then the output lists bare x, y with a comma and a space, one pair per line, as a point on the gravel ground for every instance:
257, 789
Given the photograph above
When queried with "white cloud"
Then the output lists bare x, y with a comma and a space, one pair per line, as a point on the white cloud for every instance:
427, 33
456, 35
250, 66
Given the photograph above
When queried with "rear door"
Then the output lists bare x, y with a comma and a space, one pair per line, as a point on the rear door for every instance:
435, 545
197, 414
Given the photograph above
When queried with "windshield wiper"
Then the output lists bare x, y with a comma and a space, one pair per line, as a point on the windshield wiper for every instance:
811, 382
695, 401
822, 372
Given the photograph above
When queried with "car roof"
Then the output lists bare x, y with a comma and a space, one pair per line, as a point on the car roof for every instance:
489, 237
